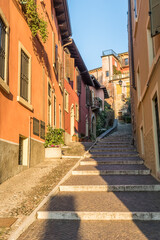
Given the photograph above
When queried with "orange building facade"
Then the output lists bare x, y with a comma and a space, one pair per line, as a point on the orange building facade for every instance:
144, 52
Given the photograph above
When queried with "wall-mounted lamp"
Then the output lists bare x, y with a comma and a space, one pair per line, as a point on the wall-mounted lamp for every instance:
120, 82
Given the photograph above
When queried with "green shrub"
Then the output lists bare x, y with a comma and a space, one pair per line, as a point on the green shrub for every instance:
54, 137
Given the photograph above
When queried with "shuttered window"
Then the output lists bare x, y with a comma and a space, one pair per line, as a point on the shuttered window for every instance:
53, 47
2, 48
35, 126
24, 76
42, 129
79, 79
155, 17
71, 71
67, 63
87, 95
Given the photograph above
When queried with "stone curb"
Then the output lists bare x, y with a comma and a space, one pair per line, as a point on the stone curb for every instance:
32, 217
63, 215
111, 172
110, 188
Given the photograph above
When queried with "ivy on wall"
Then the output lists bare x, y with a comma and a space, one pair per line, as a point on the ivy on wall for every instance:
36, 23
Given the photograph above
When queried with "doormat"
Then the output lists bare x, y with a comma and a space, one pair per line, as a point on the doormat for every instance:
7, 222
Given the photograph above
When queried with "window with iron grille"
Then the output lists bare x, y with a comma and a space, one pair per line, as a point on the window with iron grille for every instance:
24, 76
42, 129
155, 19
35, 126
2, 48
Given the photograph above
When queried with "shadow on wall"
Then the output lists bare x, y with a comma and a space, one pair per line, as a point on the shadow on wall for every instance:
41, 55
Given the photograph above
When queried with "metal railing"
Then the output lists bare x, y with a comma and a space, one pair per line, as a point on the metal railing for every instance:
119, 76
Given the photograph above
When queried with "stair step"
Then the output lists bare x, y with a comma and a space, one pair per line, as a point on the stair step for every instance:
111, 180
104, 202
110, 188
111, 172
94, 216
106, 161
95, 149
112, 230
111, 167
115, 154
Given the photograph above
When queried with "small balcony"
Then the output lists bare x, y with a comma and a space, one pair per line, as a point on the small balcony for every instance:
119, 76
96, 104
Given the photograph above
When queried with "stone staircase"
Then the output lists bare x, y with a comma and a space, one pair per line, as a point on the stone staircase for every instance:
111, 184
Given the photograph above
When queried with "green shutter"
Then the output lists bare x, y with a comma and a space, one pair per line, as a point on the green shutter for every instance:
155, 17
42, 129
24, 75
35, 126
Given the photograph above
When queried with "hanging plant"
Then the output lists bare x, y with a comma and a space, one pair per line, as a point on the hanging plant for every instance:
35, 23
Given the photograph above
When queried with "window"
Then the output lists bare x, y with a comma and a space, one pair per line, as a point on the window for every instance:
155, 19
107, 73
138, 85
115, 63
66, 100
77, 112
24, 76
42, 129
4, 32
135, 8
150, 45
142, 140
24, 83
126, 61
49, 105
88, 97
60, 117
54, 117
35, 126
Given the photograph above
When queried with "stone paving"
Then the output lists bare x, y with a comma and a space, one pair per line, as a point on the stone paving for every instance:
55, 218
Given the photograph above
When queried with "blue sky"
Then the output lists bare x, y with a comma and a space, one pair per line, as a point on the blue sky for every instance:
98, 25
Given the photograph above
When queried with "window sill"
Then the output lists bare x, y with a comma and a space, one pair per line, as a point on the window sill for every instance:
4, 86
24, 103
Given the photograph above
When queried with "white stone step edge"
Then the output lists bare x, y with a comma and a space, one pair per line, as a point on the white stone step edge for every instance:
111, 172
110, 188
120, 162
69, 215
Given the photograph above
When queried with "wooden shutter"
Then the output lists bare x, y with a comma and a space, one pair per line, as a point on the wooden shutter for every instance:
35, 126
155, 17
42, 129
71, 69
87, 95
67, 63
2, 48
24, 81
79, 79
53, 48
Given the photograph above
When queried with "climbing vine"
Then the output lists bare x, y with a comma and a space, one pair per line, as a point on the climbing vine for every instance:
36, 23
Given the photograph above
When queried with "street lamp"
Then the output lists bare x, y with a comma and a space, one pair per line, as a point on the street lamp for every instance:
120, 82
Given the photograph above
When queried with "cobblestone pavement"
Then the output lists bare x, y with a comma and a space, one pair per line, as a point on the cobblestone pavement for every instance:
21, 194
133, 202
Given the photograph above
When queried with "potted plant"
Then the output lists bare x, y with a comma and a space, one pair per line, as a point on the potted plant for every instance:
53, 141
74, 138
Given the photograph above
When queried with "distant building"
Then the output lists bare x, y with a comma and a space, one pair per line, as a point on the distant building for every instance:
114, 74
144, 51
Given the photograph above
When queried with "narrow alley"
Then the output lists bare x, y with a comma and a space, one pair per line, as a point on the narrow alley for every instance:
110, 195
